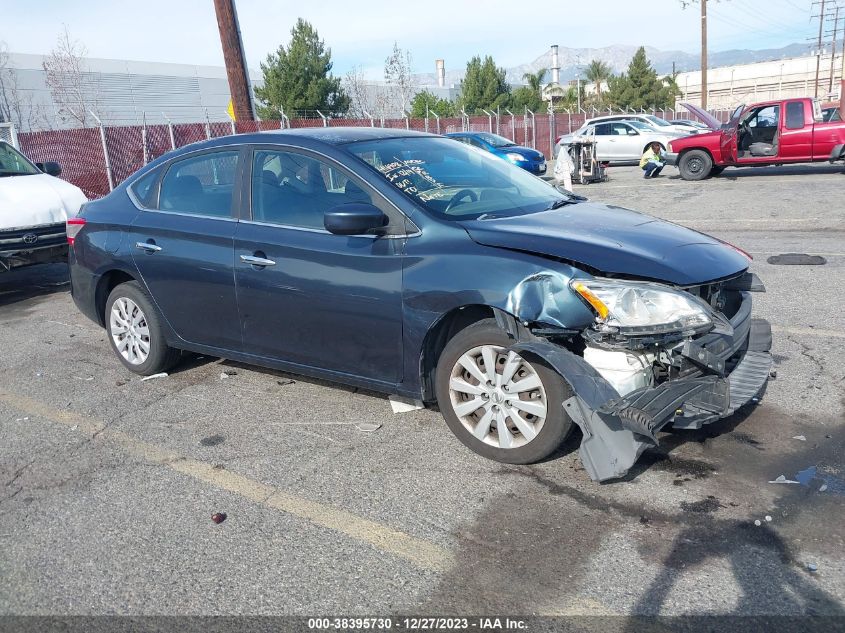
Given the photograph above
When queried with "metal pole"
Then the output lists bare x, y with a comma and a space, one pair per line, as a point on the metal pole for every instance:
819, 51
325, 120
370, 117
703, 54
489, 120
407, 120
833, 48
498, 115
106, 160
144, 136
170, 132
207, 125
426, 117
234, 129
464, 121
513, 125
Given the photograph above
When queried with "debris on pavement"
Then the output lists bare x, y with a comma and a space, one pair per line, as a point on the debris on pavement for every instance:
404, 405
812, 567
22, 419
768, 518
801, 438
285, 382
796, 259
163, 374
829, 482
367, 427
218, 517
121, 382
757, 522
823, 487
85, 379
781, 479
226, 373
212, 440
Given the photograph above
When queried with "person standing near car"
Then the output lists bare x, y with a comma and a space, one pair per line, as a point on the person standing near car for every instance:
652, 161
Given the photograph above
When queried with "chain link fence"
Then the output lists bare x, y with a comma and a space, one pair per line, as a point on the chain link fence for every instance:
98, 159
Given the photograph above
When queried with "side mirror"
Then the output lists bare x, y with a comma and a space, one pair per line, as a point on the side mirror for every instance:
51, 168
354, 218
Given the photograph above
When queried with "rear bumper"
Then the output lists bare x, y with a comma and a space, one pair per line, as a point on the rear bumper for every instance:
722, 371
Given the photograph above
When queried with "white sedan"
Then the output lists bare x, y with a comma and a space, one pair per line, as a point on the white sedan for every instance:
620, 141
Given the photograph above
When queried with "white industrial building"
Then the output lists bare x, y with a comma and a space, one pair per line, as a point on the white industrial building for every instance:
123, 92
730, 86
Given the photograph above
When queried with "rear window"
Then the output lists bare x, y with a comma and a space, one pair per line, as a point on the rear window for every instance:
201, 185
145, 190
794, 115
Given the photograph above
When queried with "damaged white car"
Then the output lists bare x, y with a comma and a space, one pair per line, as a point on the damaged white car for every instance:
34, 205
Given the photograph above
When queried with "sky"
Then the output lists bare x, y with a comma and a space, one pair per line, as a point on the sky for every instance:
361, 33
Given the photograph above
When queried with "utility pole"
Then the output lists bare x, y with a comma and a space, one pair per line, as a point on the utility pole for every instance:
703, 54
819, 49
833, 48
233, 55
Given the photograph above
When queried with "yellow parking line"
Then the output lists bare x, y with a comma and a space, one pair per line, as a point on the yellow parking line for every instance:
421, 553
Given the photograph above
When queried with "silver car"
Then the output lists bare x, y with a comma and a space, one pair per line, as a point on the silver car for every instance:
661, 125
620, 141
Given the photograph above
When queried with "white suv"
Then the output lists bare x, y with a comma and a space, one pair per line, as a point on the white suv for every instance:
34, 206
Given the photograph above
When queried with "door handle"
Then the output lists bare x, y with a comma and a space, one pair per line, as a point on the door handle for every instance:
257, 261
146, 246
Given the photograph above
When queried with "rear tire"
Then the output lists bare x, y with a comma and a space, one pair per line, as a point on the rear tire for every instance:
518, 416
695, 164
134, 329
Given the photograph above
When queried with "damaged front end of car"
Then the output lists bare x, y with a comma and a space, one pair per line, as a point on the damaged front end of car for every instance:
656, 356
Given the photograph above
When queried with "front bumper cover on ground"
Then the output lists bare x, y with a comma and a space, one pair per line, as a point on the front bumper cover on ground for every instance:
617, 429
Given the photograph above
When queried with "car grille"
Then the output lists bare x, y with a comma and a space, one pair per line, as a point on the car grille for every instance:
32, 238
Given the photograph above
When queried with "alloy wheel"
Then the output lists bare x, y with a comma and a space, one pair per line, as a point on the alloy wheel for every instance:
498, 396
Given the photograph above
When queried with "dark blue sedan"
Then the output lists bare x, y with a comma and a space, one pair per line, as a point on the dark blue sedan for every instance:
525, 157
410, 264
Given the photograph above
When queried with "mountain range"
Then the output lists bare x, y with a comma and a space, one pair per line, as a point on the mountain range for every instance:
617, 57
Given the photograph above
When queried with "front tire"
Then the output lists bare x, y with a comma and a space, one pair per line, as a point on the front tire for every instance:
500, 405
695, 165
135, 333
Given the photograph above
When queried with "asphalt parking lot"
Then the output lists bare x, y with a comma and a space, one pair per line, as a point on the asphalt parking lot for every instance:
108, 483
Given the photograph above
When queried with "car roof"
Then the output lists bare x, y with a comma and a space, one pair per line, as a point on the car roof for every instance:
341, 135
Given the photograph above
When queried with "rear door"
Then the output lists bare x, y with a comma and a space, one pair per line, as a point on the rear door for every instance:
796, 135
183, 248
316, 299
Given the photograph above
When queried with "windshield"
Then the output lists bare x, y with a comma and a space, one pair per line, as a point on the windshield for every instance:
13, 163
454, 181
640, 125
495, 140
658, 121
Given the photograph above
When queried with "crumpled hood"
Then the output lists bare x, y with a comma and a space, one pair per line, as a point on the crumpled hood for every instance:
614, 240
37, 199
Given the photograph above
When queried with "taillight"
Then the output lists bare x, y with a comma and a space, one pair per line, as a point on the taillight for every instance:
73, 227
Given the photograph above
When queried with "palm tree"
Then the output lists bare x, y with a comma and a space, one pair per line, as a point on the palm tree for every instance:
535, 80
597, 72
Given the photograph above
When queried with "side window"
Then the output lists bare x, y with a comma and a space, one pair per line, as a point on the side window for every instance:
292, 189
794, 115
145, 190
603, 129
201, 185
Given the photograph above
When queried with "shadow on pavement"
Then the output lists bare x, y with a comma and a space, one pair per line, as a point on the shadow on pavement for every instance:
31, 282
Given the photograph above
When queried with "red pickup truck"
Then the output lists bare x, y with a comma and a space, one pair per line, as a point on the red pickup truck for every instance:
768, 133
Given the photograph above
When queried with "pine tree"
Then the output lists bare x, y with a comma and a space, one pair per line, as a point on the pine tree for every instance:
299, 77
484, 86
640, 86
425, 103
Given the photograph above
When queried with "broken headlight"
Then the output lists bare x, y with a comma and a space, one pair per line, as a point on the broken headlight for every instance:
640, 308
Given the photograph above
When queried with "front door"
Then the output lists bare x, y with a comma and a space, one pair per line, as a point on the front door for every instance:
184, 249
626, 141
307, 296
